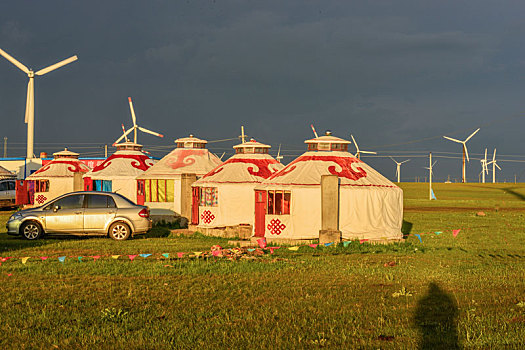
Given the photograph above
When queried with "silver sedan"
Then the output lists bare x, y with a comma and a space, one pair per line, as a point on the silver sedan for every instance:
82, 213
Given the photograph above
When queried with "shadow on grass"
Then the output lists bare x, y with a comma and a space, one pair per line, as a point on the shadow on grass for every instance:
435, 317
406, 228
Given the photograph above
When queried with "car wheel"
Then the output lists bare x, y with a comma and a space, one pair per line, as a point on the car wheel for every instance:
31, 230
119, 231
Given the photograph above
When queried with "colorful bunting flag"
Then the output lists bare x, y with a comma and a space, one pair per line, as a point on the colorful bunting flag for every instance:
197, 254
115, 257
418, 237
262, 242
455, 232
44, 258
95, 257
180, 255
216, 252
293, 248
312, 245
24, 259
9, 274
361, 241
61, 259
272, 249
251, 249
438, 232
131, 257
328, 244
144, 255
80, 258
5, 259
166, 255
432, 195
346, 243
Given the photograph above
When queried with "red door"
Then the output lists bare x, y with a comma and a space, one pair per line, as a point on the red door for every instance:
195, 206
88, 184
22, 195
260, 212
141, 193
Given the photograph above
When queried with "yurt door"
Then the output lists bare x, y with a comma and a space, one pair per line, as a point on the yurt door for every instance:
260, 212
141, 193
195, 206
22, 196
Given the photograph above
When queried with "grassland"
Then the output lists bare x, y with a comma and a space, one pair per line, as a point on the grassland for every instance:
467, 291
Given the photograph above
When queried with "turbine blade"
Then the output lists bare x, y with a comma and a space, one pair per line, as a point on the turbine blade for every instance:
485, 155
313, 129
150, 132
14, 61
57, 65
494, 156
497, 166
466, 152
404, 161
123, 135
355, 144
451, 139
369, 152
133, 117
474, 133
434, 163
393, 159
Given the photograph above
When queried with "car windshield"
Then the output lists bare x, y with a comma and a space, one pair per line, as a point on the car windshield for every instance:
125, 198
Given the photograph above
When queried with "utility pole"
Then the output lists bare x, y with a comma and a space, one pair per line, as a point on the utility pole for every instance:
514, 178
5, 146
106, 151
430, 176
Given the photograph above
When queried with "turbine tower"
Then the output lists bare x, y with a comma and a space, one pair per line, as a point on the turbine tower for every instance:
465, 152
398, 168
430, 173
484, 168
279, 157
30, 99
135, 127
494, 166
358, 154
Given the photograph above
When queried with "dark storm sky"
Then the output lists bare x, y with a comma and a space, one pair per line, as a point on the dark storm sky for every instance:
389, 72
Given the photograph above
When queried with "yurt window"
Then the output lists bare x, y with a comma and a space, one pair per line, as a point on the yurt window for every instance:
180, 144
208, 197
339, 147
312, 146
160, 190
279, 202
102, 185
261, 150
324, 147
239, 150
42, 186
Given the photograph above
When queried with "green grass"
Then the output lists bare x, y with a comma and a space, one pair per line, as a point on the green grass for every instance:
467, 290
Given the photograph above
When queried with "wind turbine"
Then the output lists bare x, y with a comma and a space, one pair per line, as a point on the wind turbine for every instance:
313, 129
135, 127
484, 168
398, 168
494, 166
358, 154
465, 152
30, 99
430, 173
279, 157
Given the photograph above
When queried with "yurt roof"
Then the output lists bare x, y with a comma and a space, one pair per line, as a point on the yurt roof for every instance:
251, 144
6, 174
242, 168
327, 139
307, 169
183, 161
191, 140
64, 164
127, 162
65, 154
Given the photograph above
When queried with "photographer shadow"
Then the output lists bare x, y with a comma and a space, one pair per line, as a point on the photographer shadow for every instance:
435, 317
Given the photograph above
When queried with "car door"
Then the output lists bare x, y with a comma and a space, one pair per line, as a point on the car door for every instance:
65, 215
99, 210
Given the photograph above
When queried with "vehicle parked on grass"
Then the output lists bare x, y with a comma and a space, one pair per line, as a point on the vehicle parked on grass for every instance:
82, 213
7, 193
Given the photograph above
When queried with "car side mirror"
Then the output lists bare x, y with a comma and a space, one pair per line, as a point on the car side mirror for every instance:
56, 208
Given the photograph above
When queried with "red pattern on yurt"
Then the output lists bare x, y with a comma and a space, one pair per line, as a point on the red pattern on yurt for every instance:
344, 162
40, 199
183, 158
276, 227
263, 166
137, 161
207, 216
73, 166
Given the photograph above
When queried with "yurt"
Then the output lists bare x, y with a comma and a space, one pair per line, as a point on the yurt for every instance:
6, 174
224, 197
162, 183
288, 203
119, 171
61, 175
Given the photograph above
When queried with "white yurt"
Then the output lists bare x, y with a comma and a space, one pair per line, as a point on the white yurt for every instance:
119, 171
61, 175
6, 174
289, 202
224, 197
162, 182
